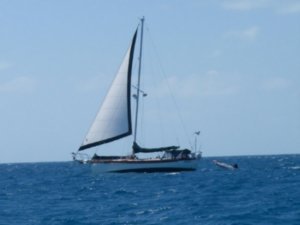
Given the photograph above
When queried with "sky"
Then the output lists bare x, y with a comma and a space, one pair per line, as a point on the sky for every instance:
233, 68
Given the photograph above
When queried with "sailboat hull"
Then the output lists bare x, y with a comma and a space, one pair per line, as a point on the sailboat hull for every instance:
144, 166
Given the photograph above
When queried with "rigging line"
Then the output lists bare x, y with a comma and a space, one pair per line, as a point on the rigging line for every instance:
159, 115
169, 87
144, 125
152, 69
152, 82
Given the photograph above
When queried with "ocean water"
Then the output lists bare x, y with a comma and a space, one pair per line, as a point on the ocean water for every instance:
264, 190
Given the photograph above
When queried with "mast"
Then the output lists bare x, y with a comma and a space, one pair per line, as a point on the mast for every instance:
139, 78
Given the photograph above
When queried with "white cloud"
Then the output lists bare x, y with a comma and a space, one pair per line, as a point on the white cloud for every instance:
94, 83
244, 5
248, 34
290, 8
278, 6
18, 84
276, 83
215, 83
5, 65
216, 53
212, 83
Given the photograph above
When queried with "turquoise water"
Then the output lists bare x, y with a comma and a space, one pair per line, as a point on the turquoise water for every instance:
264, 190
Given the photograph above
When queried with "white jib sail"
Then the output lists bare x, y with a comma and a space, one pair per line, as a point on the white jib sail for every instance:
113, 120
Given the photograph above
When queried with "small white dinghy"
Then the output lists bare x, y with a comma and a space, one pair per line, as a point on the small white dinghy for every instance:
225, 165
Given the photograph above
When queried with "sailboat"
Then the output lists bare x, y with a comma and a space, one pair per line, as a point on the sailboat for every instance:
113, 122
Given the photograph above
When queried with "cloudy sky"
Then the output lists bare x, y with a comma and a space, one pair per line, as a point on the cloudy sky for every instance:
233, 68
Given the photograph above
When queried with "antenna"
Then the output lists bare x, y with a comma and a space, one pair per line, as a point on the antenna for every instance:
197, 134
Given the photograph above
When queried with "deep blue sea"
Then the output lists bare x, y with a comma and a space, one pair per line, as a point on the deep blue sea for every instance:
264, 190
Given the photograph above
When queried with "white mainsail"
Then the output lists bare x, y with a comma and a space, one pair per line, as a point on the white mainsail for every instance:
113, 120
